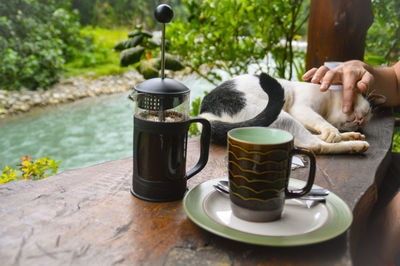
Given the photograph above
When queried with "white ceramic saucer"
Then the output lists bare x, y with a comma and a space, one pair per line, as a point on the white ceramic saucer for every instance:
298, 226
296, 218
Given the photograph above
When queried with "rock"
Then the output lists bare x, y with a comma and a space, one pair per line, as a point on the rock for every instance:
36, 100
25, 98
68, 89
53, 101
21, 107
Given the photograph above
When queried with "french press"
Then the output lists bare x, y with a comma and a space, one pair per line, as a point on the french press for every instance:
161, 124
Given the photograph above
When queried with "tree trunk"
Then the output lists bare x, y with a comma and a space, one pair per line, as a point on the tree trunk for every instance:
337, 30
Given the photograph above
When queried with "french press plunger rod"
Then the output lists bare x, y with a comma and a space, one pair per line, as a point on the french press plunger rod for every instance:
163, 14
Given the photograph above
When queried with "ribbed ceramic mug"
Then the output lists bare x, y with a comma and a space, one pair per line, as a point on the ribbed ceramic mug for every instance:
259, 169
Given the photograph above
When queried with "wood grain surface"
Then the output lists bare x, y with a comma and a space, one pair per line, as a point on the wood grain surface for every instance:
337, 30
89, 217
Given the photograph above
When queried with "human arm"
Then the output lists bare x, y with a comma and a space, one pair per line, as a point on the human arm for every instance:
357, 76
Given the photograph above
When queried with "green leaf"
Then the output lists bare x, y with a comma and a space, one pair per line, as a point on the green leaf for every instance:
154, 43
134, 41
147, 69
131, 56
171, 62
121, 45
142, 33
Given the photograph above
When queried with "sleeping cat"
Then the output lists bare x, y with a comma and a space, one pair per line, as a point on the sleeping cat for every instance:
297, 107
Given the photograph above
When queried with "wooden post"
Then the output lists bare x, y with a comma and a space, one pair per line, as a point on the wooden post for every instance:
337, 30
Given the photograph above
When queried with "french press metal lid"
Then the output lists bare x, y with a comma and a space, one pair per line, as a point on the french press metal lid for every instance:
162, 99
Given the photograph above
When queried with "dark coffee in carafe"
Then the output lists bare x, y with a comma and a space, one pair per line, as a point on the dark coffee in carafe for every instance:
160, 157
166, 151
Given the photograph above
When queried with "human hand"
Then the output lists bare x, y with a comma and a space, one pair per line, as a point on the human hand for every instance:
355, 76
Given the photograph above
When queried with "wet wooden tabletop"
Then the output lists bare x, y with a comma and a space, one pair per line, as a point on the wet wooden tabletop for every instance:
89, 217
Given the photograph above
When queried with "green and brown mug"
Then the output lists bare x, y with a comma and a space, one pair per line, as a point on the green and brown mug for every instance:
259, 167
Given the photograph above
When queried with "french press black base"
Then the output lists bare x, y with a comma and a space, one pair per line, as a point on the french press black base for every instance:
159, 157
159, 160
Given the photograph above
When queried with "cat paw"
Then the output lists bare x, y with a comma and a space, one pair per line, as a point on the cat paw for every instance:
359, 147
352, 136
330, 135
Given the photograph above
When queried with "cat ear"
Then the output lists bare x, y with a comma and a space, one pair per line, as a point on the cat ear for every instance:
376, 99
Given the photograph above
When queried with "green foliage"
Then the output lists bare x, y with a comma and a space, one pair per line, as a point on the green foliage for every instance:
171, 63
29, 169
396, 141
36, 39
109, 13
256, 29
100, 58
383, 38
131, 56
194, 111
141, 50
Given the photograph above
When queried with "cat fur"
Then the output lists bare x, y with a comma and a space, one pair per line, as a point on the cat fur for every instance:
314, 118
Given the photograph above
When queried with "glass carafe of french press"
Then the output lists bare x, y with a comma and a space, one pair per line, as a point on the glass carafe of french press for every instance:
161, 124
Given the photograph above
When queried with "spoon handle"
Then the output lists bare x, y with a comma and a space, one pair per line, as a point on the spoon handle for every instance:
313, 192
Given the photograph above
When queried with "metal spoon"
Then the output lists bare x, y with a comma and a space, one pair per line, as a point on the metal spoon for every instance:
313, 191
307, 200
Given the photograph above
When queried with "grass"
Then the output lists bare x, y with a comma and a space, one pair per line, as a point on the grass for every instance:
101, 59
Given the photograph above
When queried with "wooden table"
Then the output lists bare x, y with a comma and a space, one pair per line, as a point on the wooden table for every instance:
89, 217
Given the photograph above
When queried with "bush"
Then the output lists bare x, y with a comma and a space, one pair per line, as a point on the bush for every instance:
383, 39
30, 169
111, 13
36, 39
256, 29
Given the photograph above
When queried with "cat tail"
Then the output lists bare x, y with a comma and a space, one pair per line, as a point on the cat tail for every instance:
276, 100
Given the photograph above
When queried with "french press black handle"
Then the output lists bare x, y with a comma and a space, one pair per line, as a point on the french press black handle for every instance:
204, 145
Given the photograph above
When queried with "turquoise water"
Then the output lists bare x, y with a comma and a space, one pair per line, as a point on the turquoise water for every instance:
79, 134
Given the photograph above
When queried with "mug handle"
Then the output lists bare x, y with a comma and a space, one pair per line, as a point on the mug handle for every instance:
204, 145
311, 174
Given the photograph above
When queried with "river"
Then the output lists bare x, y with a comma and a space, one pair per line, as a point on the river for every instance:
78, 134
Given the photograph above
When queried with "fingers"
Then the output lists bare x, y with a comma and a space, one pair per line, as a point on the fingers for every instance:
352, 74
319, 74
309, 74
348, 96
315, 73
366, 81
354, 81
327, 80
349, 82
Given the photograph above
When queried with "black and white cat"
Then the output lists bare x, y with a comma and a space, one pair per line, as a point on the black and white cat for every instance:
297, 107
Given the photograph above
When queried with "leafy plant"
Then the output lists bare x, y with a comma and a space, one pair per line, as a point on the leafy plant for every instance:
36, 39
383, 38
111, 13
194, 111
143, 50
256, 30
396, 141
99, 58
29, 169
